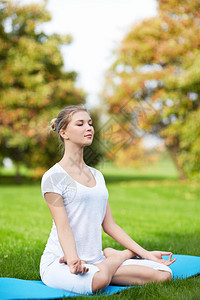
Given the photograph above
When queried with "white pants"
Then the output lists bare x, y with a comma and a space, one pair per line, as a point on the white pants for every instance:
58, 276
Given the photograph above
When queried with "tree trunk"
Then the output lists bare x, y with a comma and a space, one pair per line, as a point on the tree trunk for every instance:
173, 151
18, 175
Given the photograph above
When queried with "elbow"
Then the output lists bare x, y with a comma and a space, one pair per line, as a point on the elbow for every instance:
108, 228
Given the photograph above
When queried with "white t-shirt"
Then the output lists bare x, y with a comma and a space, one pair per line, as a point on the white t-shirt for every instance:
85, 208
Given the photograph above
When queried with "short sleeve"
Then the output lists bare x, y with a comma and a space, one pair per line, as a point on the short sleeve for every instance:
51, 183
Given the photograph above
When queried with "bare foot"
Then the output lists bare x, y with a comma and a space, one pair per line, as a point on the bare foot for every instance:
126, 254
110, 251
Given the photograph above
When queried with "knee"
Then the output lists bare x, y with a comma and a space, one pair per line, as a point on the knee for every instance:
164, 276
100, 281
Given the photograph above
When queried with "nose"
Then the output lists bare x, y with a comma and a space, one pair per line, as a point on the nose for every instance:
89, 128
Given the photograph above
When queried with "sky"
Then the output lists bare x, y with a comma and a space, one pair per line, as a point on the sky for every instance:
97, 27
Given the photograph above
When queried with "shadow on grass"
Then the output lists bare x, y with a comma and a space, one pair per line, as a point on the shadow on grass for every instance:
113, 178
109, 178
23, 180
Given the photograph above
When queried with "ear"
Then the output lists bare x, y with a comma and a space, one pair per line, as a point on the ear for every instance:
63, 133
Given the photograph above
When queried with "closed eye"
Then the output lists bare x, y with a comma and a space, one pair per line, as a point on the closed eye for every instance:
82, 124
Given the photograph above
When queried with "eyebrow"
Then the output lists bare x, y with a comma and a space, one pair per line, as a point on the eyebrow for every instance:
83, 120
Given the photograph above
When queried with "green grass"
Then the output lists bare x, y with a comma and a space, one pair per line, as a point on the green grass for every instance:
152, 206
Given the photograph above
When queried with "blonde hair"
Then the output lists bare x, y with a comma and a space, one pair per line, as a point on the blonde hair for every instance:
64, 117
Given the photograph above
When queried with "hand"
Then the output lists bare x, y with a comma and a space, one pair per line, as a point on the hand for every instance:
76, 266
157, 256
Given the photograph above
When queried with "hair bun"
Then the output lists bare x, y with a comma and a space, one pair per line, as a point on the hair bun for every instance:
53, 124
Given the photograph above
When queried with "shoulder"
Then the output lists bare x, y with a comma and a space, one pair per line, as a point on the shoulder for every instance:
54, 176
96, 172
49, 173
53, 181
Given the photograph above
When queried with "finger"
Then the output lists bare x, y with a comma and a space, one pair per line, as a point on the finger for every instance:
77, 266
62, 260
170, 257
78, 261
165, 253
77, 269
74, 268
80, 268
170, 262
85, 269
166, 262
73, 271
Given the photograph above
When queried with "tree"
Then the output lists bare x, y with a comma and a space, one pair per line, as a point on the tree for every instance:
33, 85
156, 74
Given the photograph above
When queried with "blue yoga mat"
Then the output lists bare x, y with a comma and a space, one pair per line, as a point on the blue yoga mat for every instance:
13, 288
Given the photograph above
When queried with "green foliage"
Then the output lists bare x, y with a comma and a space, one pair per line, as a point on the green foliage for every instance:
157, 75
33, 85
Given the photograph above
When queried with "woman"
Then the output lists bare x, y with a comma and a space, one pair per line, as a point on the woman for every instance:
77, 199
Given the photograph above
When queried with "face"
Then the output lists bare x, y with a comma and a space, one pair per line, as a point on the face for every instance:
79, 130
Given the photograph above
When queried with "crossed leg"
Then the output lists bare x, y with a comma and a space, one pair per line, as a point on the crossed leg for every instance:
129, 275
112, 272
108, 267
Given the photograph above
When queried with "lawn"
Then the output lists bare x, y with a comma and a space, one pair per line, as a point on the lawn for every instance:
152, 206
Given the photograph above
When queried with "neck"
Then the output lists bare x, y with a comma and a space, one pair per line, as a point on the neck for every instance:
73, 157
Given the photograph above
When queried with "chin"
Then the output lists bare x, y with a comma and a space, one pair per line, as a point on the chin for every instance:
87, 143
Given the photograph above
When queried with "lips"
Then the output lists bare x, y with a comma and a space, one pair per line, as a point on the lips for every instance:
88, 135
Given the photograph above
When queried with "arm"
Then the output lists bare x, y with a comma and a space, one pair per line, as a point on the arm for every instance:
118, 234
65, 234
